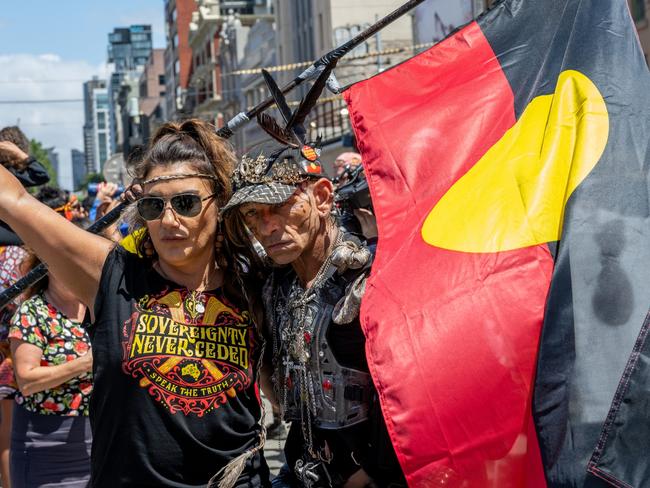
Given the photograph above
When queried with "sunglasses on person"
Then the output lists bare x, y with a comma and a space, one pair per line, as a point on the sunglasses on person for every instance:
184, 204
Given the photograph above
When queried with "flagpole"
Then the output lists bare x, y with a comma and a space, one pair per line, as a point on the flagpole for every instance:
329, 59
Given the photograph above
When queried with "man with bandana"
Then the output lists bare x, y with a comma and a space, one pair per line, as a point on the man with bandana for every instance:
315, 348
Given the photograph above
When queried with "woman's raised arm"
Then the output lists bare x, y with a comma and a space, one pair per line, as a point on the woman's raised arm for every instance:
74, 255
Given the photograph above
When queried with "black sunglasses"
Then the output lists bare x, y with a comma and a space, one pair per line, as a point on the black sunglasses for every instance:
184, 204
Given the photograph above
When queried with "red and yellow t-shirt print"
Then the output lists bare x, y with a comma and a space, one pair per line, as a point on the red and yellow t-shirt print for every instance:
191, 351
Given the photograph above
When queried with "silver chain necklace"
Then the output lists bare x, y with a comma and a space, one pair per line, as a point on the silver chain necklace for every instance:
293, 343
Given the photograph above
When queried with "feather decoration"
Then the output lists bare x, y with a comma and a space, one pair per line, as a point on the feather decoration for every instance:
307, 104
278, 96
272, 128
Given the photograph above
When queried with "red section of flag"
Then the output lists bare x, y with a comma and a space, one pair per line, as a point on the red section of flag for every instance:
451, 337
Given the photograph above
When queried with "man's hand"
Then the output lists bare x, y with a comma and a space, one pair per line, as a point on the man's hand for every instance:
12, 152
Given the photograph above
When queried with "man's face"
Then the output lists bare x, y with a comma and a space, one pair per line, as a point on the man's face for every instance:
286, 231
78, 211
339, 164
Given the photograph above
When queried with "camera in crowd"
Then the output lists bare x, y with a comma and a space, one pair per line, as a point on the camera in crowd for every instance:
92, 190
352, 194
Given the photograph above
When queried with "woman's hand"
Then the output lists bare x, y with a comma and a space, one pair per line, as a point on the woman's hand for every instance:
86, 361
34, 378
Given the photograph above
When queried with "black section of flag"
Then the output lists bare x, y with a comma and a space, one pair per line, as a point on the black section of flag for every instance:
600, 291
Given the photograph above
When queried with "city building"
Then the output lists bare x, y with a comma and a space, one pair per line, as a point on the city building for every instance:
53, 156
307, 29
259, 53
128, 112
89, 128
218, 37
434, 20
140, 102
78, 168
233, 40
101, 134
245, 7
129, 49
151, 95
204, 87
178, 54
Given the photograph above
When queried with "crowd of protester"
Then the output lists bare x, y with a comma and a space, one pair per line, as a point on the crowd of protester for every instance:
100, 290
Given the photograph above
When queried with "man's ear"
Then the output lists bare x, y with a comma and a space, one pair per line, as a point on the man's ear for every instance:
323, 192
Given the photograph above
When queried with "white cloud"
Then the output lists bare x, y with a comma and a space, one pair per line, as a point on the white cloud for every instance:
27, 77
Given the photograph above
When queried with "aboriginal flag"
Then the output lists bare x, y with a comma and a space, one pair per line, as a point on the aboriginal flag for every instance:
509, 170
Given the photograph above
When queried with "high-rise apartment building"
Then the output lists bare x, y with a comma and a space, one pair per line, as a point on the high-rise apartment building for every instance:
434, 20
102, 128
205, 84
259, 53
53, 156
307, 29
178, 54
129, 49
78, 168
151, 95
243, 7
218, 36
89, 127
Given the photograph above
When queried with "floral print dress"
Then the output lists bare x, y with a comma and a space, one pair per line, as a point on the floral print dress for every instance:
39, 323
11, 258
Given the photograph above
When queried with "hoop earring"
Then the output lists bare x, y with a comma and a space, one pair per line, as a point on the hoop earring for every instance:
147, 247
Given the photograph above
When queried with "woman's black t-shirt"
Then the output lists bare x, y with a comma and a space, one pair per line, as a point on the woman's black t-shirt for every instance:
174, 396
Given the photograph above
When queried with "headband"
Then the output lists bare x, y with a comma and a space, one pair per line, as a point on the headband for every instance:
178, 177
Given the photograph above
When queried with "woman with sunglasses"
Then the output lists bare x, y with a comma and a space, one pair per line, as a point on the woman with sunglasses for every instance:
175, 346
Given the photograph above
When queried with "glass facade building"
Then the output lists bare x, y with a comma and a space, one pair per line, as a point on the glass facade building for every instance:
90, 126
129, 49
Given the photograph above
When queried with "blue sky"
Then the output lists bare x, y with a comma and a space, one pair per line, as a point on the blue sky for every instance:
73, 29
47, 49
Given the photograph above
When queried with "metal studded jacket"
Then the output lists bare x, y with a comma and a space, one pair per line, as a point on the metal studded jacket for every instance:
310, 379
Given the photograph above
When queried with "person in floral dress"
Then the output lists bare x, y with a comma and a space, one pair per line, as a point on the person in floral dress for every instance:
11, 258
50, 438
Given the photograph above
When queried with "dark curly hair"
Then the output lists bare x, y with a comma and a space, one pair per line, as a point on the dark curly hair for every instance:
52, 197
